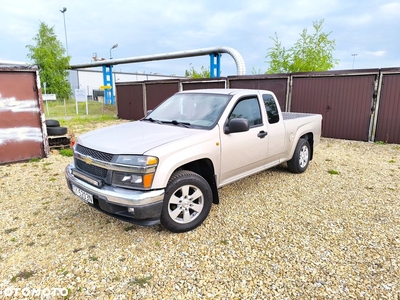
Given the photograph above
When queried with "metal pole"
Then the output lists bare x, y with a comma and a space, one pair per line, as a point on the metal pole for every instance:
113, 47
65, 29
354, 58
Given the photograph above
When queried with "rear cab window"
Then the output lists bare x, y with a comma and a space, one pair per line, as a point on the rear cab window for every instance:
271, 108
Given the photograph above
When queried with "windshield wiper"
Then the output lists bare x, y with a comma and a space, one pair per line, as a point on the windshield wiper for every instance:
175, 122
152, 120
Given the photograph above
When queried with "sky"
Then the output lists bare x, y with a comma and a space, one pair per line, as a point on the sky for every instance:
366, 32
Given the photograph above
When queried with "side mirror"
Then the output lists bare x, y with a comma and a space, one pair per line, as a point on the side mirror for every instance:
236, 125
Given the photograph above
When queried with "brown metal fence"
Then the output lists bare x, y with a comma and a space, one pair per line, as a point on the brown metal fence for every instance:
356, 104
22, 129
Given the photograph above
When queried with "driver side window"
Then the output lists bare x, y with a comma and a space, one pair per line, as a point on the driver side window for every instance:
249, 109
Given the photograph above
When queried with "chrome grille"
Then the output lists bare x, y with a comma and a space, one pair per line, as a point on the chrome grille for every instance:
91, 169
94, 153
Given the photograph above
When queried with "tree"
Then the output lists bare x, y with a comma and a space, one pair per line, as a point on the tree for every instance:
311, 52
49, 55
192, 73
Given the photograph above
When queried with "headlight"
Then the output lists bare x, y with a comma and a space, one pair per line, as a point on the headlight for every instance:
141, 174
137, 160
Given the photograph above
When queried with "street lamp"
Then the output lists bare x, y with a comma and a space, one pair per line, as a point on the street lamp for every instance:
113, 47
354, 58
65, 29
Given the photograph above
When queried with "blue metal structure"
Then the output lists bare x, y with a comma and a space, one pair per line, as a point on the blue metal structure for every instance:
108, 81
215, 65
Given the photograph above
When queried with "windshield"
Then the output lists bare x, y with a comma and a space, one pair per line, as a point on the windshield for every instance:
190, 110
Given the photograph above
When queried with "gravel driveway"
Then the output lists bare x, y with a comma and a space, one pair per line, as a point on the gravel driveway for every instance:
332, 232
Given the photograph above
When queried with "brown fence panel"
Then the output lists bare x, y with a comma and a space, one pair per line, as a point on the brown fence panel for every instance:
21, 127
278, 85
388, 125
343, 101
130, 101
157, 92
202, 84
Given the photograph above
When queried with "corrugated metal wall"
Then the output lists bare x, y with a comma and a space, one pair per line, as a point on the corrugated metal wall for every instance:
156, 92
218, 83
130, 101
343, 101
349, 101
388, 125
22, 131
277, 84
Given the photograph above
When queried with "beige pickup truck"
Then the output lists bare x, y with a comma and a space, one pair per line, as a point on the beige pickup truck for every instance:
168, 166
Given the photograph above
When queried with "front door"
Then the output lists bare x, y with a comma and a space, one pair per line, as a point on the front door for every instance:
244, 153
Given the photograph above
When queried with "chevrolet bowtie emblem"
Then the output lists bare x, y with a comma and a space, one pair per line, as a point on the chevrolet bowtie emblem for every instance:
88, 160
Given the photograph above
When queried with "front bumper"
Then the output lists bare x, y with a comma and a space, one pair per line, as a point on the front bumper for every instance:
116, 201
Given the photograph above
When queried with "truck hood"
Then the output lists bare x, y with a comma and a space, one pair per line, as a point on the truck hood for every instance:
133, 137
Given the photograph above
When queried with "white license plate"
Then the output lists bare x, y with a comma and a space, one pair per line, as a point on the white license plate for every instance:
86, 197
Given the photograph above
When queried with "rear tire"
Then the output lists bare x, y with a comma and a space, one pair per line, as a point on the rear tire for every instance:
301, 157
187, 201
51, 131
52, 123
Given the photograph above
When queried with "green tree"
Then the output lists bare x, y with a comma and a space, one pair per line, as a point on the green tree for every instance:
192, 73
311, 52
49, 55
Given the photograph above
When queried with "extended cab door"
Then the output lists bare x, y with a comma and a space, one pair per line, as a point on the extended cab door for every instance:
244, 153
276, 129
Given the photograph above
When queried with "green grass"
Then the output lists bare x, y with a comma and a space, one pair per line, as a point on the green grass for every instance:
66, 152
141, 280
85, 120
65, 113
59, 108
23, 274
333, 172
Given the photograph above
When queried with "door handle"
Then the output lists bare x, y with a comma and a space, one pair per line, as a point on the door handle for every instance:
262, 134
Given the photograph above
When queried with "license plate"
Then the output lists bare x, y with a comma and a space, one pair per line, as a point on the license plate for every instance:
86, 197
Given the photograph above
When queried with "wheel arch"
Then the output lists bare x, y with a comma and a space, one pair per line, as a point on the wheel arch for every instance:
310, 138
205, 168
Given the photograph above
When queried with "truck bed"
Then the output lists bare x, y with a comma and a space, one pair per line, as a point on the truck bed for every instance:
294, 115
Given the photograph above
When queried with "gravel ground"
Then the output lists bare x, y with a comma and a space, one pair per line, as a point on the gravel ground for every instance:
274, 235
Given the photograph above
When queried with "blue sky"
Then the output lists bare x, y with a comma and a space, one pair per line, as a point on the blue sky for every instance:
368, 28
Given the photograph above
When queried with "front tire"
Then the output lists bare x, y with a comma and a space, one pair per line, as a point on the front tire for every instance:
187, 201
301, 157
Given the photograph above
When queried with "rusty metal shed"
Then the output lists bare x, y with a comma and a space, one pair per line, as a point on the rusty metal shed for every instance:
23, 132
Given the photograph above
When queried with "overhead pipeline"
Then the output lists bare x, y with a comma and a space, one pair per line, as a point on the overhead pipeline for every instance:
240, 65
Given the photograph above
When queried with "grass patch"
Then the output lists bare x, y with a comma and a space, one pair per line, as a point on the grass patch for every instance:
60, 108
93, 258
129, 228
380, 143
392, 161
66, 152
333, 172
141, 280
34, 159
23, 274
86, 120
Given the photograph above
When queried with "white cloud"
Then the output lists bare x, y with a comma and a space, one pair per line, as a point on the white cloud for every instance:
379, 53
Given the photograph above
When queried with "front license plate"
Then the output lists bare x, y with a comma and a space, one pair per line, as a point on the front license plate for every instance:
86, 197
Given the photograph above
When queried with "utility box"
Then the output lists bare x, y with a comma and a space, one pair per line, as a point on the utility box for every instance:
23, 133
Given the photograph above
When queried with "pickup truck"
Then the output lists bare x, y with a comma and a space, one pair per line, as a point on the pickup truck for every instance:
167, 167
